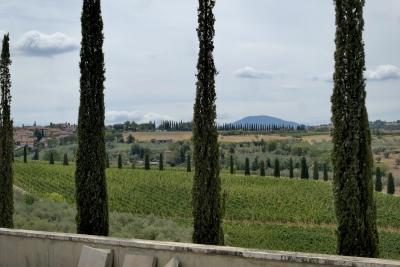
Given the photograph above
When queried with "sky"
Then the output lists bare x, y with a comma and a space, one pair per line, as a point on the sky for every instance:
274, 57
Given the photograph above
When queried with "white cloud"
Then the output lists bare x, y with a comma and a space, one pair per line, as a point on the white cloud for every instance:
251, 73
383, 73
137, 116
34, 43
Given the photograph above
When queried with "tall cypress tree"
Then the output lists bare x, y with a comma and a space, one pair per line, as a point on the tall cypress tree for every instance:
119, 161
315, 171
188, 163
231, 165
247, 167
161, 162
391, 188
90, 177
36, 155
352, 157
277, 168
262, 168
291, 174
378, 180
326, 177
206, 191
147, 162
304, 169
25, 155
6, 139
51, 158
65, 161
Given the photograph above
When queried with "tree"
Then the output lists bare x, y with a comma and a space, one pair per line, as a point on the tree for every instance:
262, 168
247, 167
326, 176
315, 171
107, 164
51, 158
188, 163
119, 162
161, 162
6, 139
25, 155
131, 139
277, 168
291, 174
304, 169
391, 188
378, 180
231, 165
147, 161
352, 156
90, 178
65, 162
36, 155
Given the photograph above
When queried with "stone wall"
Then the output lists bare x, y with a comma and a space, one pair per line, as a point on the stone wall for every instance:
20, 248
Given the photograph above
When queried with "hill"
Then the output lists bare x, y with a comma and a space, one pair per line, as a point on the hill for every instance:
264, 120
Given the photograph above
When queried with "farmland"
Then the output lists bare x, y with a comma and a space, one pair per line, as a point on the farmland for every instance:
267, 213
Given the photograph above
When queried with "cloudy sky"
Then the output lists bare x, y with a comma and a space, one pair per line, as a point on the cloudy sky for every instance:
275, 57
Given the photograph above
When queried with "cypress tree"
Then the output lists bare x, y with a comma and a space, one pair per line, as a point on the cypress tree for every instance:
291, 174
315, 171
147, 162
304, 169
206, 190
391, 188
352, 157
90, 177
65, 162
378, 180
188, 163
247, 167
6, 139
161, 162
277, 168
262, 168
36, 155
51, 158
25, 155
326, 177
119, 162
231, 165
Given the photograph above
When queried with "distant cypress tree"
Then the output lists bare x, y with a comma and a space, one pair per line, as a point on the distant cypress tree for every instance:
391, 188
51, 158
352, 156
277, 168
188, 163
304, 169
161, 162
119, 163
6, 139
36, 155
262, 168
25, 155
268, 165
147, 161
326, 177
316, 171
206, 199
291, 174
131, 139
378, 180
65, 162
90, 174
231, 165
247, 167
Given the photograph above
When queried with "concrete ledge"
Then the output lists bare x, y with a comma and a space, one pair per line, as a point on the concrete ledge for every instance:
165, 250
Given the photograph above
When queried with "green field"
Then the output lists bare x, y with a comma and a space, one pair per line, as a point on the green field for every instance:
266, 213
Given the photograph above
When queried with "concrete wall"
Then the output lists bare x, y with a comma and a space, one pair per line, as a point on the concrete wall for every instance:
20, 248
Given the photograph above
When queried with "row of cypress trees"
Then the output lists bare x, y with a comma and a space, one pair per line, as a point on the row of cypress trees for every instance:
391, 187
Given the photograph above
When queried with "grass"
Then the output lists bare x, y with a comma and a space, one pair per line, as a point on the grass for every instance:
261, 212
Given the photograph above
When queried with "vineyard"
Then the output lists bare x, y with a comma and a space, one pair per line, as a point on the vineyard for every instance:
269, 213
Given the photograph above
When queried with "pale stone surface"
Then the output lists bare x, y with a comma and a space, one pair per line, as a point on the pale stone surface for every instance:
94, 257
174, 262
139, 261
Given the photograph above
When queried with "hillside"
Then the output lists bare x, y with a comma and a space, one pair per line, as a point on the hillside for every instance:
265, 213
264, 120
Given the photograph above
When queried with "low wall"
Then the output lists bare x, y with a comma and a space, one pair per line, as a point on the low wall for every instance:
21, 248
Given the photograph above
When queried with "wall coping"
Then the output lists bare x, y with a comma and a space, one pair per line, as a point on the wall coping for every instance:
282, 256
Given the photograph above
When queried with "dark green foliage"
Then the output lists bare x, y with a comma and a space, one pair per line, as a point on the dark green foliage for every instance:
315, 171
247, 167
378, 180
255, 164
25, 154
161, 162
36, 155
65, 161
107, 164
188, 163
304, 169
262, 168
277, 168
291, 175
147, 161
90, 177
326, 176
119, 162
51, 158
131, 139
206, 192
268, 163
352, 157
6, 139
231, 165
391, 188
